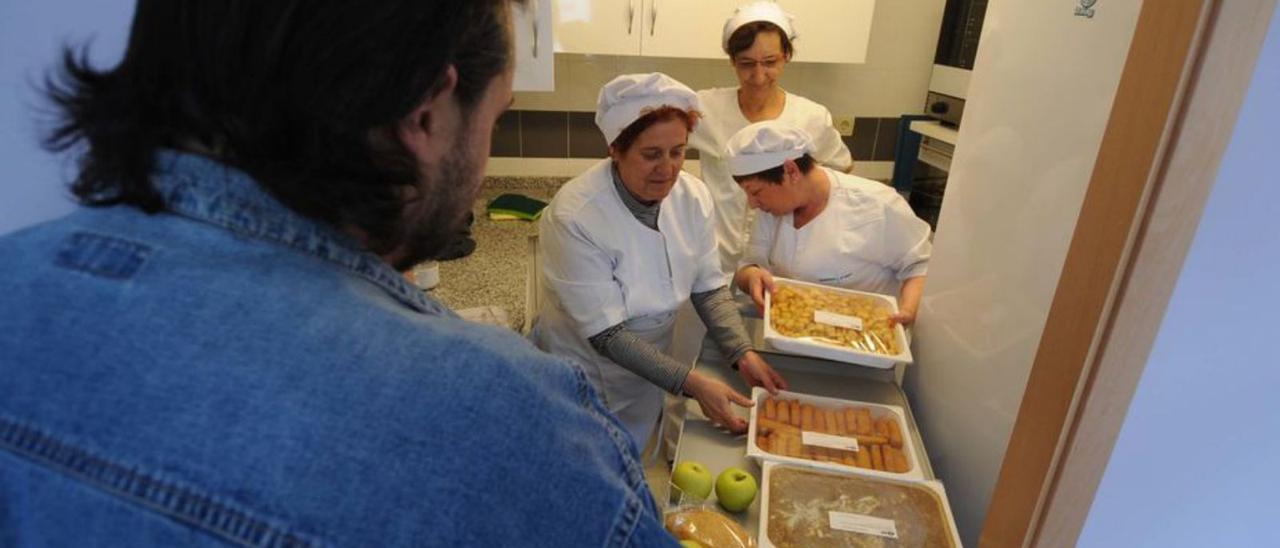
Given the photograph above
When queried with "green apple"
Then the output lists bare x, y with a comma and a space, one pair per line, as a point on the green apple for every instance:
735, 489
690, 544
692, 478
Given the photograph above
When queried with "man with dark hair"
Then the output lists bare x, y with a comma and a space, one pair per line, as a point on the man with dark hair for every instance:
218, 347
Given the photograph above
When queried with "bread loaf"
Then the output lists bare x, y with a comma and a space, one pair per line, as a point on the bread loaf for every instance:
709, 528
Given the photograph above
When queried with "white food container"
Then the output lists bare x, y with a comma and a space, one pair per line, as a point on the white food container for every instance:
831, 351
878, 411
770, 468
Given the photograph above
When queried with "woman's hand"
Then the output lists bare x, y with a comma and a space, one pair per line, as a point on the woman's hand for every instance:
909, 301
757, 372
754, 280
716, 399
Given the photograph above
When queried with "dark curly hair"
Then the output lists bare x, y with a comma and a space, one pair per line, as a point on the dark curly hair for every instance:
303, 95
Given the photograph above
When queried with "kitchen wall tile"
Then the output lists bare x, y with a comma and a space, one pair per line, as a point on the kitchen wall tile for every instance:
585, 140
587, 74
544, 134
886, 140
565, 71
506, 135
864, 138
698, 73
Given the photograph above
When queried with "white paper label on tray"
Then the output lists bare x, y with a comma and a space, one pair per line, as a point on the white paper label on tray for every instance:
837, 320
829, 441
867, 525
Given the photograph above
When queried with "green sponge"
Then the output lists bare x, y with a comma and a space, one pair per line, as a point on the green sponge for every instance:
515, 206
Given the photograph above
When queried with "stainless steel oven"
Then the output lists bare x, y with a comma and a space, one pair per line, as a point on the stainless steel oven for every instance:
930, 168
923, 160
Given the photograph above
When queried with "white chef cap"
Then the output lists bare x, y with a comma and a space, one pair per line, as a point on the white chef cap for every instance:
759, 11
765, 145
628, 97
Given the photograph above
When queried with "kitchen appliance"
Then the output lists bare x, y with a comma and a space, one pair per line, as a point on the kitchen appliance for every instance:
944, 108
957, 47
961, 29
926, 142
925, 147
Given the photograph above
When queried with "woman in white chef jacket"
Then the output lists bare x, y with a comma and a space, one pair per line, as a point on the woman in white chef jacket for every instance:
623, 246
758, 39
823, 226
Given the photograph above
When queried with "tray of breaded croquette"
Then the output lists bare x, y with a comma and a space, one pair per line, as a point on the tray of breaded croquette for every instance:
834, 434
835, 324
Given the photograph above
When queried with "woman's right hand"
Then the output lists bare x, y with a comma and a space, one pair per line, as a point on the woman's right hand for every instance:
716, 399
754, 280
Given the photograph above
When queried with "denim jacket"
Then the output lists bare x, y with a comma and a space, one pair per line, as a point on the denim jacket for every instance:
230, 372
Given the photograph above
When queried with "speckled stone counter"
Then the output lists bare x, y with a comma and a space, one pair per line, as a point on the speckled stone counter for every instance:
494, 275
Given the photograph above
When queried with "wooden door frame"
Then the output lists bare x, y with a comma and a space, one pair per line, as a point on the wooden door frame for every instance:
1185, 77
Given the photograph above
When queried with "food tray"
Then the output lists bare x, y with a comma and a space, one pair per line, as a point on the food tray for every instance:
829, 348
919, 511
862, 461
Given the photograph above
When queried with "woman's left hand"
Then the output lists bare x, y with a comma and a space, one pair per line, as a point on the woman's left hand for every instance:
757, 372
904, 317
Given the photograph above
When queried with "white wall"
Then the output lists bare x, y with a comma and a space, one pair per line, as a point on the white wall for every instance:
893, 81
32, 181
1039, 99
1195, 461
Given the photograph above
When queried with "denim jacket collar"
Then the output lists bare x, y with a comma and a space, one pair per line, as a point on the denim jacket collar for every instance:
205, 190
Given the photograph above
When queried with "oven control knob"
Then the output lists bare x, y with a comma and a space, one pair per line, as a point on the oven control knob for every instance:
940, 107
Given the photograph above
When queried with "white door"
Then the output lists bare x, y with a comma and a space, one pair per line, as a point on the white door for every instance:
535, 53
682, 28
608, 27
831, 31
1014, 195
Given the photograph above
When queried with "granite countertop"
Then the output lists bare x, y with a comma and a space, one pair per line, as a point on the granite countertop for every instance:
494, 275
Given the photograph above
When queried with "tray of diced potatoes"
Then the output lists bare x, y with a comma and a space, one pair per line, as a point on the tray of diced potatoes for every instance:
845, 435
834, 323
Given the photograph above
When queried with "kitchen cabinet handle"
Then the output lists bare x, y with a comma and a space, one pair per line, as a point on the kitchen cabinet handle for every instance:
534, 6
653, 17
631, 15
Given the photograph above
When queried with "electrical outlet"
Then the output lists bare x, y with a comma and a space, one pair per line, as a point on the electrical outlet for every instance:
844, 125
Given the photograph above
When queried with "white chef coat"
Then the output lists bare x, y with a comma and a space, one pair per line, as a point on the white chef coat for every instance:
721, 119
867, 238
601, 267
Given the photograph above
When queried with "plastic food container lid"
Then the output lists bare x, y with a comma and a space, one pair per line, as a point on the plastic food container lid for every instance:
829, 449
815, 508
834, 323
